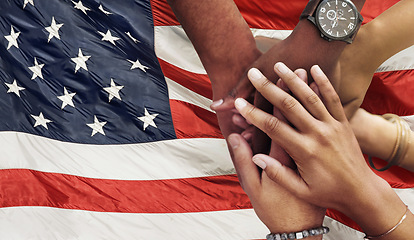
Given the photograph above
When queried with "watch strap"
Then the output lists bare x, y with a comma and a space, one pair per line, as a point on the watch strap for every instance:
309, 9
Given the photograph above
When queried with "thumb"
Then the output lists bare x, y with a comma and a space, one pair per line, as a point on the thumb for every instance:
282, 175
244, 89
241, 155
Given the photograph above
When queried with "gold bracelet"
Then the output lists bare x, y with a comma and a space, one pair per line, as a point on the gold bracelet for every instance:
392, 229
401, 143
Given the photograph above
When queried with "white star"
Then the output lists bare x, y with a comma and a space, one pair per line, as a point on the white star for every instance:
37, 69
53, 30
66, 98
12, 38
108, 37
148, 119
97, 127
103, 10
14, 88
130, 36
26, 2
79, 5
40, 120
80, 61
137, 64
113, 90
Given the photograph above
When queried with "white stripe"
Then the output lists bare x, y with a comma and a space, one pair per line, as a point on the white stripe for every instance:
38, 223
51, 223
270, 33
178, 92
172, 159
173, 46
403, 60
409, 120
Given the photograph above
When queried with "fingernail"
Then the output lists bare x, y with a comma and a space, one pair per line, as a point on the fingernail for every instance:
259, 162
318, 70
247, 136
240, 103
254, 74
282, 68
233, 141
216, 103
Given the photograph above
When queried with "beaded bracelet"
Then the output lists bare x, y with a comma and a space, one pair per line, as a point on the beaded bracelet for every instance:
298, 235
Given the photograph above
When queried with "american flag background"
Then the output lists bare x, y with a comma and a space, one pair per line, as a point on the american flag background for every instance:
106, 130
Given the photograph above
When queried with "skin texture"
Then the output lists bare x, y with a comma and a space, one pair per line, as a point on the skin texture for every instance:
392, 33
319, 132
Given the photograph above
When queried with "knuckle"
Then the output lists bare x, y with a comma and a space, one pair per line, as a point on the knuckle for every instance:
271, 125
288, 103
265, 83
312, 98
274, 174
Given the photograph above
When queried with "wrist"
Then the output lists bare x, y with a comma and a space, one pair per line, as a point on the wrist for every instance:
378, 206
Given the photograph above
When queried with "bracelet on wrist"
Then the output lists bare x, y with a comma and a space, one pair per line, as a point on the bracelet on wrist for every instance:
298, 235
392, 229
401, 145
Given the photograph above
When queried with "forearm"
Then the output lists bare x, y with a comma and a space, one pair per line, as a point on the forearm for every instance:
221, 37
391, 32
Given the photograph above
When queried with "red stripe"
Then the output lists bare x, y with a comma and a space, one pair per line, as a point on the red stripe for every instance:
163, 14
391, 92
191, 121
373, 8
21, 187
199, 83
343, 219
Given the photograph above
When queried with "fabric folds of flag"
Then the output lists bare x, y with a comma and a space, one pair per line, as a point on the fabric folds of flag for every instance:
106, 130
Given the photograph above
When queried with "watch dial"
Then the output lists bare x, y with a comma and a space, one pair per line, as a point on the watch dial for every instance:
337, 18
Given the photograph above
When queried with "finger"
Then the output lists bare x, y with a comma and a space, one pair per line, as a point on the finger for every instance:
260, 141
276, 151
247, 172
243, 89
240, 121
248, 134
328, 93
289, 106
315, 88
302, 74
223, 104
282, 175
277, 130
302, 91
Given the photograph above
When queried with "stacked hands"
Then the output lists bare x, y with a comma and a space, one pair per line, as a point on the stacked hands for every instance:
329, 169
312, 159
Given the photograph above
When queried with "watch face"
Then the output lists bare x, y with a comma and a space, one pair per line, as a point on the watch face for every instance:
337, 19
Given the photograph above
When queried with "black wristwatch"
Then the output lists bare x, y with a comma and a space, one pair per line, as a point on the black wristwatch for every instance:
336, 19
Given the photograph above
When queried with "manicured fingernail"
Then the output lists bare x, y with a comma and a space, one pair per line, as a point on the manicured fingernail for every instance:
217, 103
233, 141
282, 68
318, 70
240, 103
259, 162
254, 74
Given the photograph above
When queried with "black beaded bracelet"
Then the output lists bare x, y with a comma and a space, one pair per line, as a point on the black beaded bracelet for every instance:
298, 235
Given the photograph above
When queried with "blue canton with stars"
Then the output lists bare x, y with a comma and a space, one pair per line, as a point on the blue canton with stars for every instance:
82, 71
